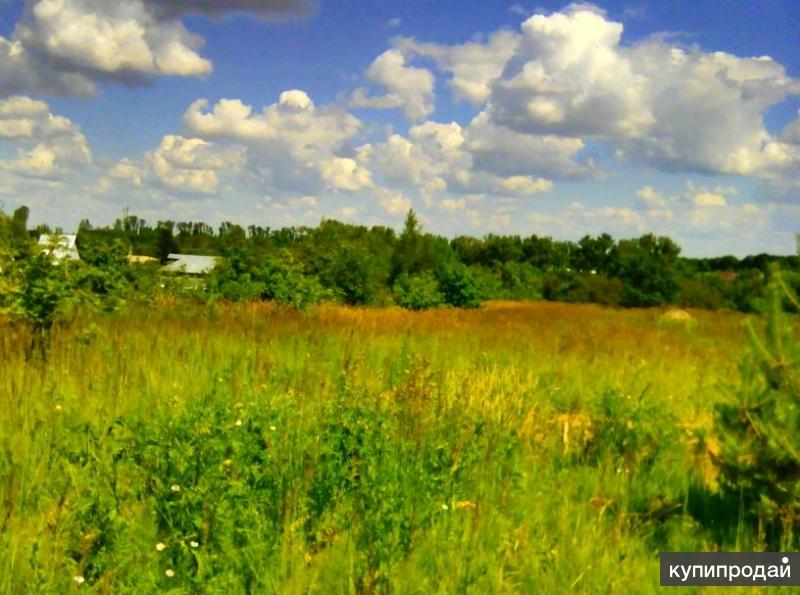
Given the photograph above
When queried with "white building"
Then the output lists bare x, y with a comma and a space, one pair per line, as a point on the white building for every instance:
61, 246
190, 264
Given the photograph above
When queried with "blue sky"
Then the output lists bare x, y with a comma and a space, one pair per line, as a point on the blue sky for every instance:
486, 117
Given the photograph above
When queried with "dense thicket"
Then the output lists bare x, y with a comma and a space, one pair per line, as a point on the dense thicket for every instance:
357, 265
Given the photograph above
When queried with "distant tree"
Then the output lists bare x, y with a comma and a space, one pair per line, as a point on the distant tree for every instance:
458, 287
647, 268
418, 292
408, 251
594, 254
352, 273
166, 243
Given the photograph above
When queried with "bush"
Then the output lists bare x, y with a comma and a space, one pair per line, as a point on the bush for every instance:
700, 294
417, 292
520, 281
353, 275
247, 274
458, 286
583, 288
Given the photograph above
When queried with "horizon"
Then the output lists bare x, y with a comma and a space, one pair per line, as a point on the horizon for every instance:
523, 119
215, 231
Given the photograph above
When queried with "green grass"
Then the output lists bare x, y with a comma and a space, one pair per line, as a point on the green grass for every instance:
519, 448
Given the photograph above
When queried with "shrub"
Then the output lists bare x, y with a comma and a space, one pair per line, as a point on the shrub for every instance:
417, 292
353, 275
520, 280
458, 286
700, 294
247, 274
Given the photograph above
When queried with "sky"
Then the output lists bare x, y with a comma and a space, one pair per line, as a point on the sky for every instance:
677, 118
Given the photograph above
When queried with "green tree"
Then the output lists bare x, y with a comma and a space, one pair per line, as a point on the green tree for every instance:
759, 427
418, 292
458, 286
647, 267
166, 243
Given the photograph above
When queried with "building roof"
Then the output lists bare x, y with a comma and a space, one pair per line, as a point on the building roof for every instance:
61, 246
190, 264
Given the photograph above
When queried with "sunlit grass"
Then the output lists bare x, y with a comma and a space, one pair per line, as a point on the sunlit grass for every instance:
516, 448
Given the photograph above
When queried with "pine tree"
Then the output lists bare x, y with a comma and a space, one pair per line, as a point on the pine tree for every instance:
759, 425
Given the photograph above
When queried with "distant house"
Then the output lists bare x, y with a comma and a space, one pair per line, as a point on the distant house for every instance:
191, 264
60, 246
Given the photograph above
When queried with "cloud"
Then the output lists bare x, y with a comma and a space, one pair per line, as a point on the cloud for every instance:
293, 145
508, 152
566, 77
695, 204
438, 160
680, 109
293, 124
68, 46
343, 173
395, 204
709, 199
179, 164
408, 88
348, 212
473, 65
48, 146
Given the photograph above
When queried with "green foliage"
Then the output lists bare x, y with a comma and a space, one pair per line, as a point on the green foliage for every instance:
165, 243
520, 280
632, 430
416, 252
700, 294
458, 286
647, 268
570, 286
250, 274
759, 426
418, 292
354, 276
106, 273
358, 265
45, 293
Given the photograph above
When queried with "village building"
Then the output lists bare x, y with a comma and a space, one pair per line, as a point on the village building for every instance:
60, 246
190, 264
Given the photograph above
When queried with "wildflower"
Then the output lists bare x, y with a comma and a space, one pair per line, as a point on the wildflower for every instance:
169, 572
238, 422
175, 488
79, 580
445, 507
58, 407
194, 544
227, 463
160, 546
273, 428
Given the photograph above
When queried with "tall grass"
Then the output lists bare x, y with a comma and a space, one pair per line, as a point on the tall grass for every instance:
231, 449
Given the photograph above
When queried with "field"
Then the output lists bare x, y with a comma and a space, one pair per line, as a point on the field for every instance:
540, 448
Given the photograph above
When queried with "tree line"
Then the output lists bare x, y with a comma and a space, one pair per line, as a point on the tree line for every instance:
359, 265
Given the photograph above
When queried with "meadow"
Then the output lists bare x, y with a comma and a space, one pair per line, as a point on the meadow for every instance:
253, 448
